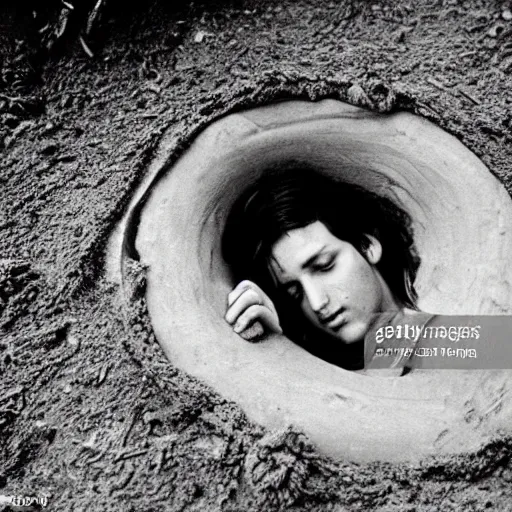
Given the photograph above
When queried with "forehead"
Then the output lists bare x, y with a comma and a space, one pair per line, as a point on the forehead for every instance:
297, 246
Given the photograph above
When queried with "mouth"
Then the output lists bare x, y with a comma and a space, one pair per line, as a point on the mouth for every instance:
334, 321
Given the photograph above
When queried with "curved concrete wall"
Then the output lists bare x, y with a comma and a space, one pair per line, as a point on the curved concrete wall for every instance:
462, 222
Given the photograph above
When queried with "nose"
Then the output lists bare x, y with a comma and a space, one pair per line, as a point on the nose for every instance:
316, 296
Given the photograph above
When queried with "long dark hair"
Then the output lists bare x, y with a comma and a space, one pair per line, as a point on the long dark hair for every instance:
286, 199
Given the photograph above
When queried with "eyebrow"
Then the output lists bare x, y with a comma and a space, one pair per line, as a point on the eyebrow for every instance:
308, 263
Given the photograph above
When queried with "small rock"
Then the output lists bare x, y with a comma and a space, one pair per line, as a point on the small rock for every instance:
73, 341
507, 475
496, 30
90, 443
506, 14
491, 44
50, 128
199, 37
357, 96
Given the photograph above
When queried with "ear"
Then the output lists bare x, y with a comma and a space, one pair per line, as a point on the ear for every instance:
373, 252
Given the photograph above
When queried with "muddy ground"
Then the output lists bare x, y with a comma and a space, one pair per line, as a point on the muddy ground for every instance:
91, 414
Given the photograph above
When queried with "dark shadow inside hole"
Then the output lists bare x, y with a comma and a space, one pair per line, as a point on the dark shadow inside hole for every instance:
288, 198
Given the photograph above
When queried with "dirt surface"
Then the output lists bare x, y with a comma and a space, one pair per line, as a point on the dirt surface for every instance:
91, 414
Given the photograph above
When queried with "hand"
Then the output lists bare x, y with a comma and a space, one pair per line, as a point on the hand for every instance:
251, 312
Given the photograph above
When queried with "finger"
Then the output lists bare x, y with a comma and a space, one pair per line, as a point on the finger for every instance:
247, 299
257, 312
240, 288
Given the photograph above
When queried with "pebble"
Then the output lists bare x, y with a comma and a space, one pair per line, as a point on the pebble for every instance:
496, 30
507, 15
73, 341
507, 475
357, 96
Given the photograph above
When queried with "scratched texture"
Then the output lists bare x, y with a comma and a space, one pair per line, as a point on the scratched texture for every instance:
82, 420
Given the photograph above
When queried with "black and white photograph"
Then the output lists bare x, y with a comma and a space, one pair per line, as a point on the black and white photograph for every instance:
256, 256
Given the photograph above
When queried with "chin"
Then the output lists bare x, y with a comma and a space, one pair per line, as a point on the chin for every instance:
352, 332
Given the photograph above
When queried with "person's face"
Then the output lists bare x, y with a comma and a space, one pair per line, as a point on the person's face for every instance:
338, 289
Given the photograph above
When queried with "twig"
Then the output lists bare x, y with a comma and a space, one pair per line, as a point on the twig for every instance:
437, 84
161, 460
92, 17
126, 433
12, 393
469, 97
131, 455
87, 50
428, 107
102, 374
96, 458
122, 482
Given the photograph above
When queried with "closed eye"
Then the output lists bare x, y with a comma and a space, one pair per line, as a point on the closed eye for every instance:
325, 265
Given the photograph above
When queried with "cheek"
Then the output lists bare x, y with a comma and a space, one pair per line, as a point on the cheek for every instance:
357, 282
370, 292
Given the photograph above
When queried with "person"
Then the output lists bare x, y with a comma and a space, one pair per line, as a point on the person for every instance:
319, 260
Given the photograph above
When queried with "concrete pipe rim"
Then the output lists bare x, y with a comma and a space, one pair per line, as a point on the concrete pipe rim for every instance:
432, 175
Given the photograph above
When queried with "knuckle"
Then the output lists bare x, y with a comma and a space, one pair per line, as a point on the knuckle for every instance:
249, 315
252, 295
252, 311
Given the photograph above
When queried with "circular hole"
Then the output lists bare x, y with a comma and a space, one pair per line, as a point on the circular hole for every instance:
462, 224
345, 250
